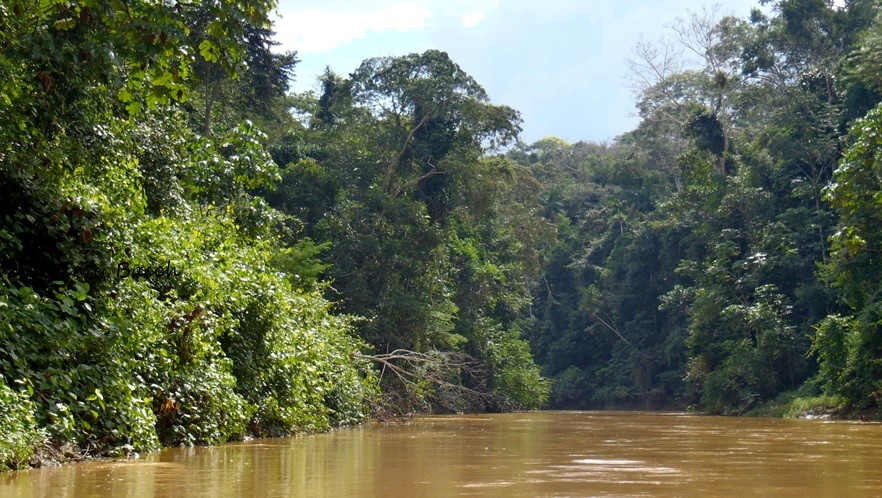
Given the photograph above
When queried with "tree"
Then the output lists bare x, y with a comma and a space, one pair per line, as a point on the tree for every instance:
401, 188
847, 344
698, 102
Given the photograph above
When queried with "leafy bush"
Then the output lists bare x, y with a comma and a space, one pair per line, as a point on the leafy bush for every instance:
147, 295
515, 378
216, 342
21, 437
569, 388
816, 405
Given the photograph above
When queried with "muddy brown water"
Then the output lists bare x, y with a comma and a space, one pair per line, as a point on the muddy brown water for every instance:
506, 455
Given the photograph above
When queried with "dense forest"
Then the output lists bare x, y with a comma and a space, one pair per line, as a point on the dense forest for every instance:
190, 253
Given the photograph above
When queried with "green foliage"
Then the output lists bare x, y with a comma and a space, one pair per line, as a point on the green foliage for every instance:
569, 388
847, 345
823, 405
600, 332
75, 372
21, 437
830, 347
805, 402
421, 228
688, 277
142, 51
283, 345
135, 362
138, 259
515, 379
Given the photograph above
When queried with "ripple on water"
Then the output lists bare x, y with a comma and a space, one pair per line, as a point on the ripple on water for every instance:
492, 484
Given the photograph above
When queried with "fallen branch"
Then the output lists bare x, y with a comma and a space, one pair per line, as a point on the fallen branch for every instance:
445, 371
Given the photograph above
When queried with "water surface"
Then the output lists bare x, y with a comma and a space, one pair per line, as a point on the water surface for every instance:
509, 455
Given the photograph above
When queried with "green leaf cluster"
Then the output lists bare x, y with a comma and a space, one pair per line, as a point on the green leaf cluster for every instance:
149, 295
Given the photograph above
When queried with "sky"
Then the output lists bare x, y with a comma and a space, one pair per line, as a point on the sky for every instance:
561, 63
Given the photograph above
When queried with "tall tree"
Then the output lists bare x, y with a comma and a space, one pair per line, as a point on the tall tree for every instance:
418, 245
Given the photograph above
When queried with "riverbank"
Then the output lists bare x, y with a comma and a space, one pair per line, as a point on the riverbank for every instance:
809, 402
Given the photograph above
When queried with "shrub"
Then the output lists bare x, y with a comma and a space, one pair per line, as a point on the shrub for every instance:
21, 437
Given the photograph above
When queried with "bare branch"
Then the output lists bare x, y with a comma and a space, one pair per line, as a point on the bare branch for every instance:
612, 327
441, 369
390, 171
416, 181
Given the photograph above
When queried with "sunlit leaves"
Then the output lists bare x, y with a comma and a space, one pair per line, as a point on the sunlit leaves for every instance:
854, 193
145, 50
847, 345
209, 51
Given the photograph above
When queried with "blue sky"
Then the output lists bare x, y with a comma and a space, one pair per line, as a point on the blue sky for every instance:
561, 63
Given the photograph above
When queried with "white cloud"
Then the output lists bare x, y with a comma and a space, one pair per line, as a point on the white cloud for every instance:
315, 26
321, 31
472, 19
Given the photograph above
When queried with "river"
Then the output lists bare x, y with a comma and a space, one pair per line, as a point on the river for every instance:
508, 455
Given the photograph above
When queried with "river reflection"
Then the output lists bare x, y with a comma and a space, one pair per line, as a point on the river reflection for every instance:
520, 454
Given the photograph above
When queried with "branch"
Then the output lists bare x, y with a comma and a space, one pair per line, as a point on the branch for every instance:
612, 327
412, 368
416, 181
395, 162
